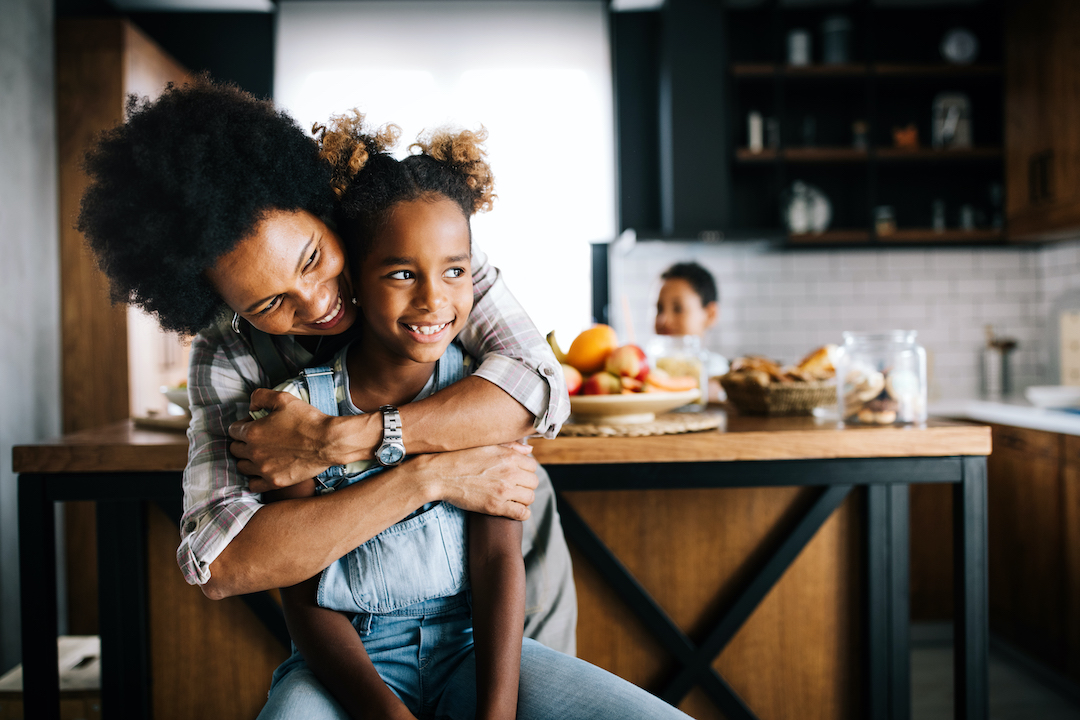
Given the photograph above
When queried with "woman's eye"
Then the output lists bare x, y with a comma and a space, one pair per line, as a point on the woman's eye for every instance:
273, 304
401, 275
455, 272
311, 260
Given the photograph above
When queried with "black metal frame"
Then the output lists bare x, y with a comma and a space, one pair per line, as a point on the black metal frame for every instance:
122, 588
888, 686
122, 573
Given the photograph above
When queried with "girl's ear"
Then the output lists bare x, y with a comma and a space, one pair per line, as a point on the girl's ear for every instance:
712, 313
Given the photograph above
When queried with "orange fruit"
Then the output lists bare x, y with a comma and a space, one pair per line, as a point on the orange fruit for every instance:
591, 348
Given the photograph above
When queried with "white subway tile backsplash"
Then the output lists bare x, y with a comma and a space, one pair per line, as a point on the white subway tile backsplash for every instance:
935, 288
968, 287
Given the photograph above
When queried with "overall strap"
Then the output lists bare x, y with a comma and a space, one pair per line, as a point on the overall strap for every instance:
451, 367
270, 360
322, 395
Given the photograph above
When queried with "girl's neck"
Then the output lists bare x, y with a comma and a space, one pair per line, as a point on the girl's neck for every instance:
378, 378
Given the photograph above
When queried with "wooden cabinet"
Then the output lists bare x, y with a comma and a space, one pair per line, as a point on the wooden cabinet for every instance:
1042, 110
1028, 592
1033, 498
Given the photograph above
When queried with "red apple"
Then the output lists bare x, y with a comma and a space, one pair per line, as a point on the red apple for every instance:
601, 383
628, 361
573, 378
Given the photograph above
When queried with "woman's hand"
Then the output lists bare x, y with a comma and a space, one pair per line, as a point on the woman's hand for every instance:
492, 480
286, 447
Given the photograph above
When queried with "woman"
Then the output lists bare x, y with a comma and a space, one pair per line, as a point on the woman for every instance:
175, 191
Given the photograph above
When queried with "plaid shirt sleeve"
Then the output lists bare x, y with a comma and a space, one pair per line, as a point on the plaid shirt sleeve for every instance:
512, 352
217, 503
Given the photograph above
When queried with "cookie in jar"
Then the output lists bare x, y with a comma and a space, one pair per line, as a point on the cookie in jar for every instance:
881, 378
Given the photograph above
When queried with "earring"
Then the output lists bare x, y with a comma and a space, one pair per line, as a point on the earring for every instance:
236, 323
354, 302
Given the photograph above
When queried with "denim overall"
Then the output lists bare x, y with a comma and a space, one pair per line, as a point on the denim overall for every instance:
407, 585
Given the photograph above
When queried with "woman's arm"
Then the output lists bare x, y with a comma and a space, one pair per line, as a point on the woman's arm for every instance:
296, 441
335, 653
287, 542
497, 574
517, 390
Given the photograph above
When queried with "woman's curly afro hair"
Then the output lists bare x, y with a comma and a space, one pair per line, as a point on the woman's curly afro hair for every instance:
369, 182
182, 182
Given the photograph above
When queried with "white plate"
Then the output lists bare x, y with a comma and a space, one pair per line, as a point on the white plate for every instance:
1053, 396
628, 409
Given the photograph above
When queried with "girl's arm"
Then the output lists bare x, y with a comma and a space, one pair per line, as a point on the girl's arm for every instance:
517, 390
497, 574
335, 653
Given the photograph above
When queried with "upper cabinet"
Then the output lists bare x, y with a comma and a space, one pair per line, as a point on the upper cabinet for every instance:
1042, 119
824, 123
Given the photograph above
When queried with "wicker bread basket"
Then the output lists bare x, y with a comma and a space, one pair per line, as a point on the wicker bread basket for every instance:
794, 398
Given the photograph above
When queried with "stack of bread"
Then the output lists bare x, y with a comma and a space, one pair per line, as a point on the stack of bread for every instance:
757, 385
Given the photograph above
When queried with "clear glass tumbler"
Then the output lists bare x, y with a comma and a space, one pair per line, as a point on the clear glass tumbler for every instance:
881, 378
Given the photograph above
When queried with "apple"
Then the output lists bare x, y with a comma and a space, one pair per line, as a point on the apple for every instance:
631, 385
628, 361
573, 378
602, 383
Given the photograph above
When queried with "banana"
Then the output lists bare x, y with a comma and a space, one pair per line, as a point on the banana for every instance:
559, 354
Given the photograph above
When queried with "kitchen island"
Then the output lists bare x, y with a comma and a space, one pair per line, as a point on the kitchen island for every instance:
757, 569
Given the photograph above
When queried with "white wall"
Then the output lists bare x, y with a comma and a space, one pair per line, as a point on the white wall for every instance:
783, 304
29, 271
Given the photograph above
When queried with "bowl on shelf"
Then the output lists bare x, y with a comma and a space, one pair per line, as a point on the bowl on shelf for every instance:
177, 396
627, 409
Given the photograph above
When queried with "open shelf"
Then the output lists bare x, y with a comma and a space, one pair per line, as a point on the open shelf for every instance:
830, 237
902, 236
850, 154
953, 236
911, 70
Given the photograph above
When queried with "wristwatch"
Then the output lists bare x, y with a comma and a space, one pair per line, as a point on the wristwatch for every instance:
392, 450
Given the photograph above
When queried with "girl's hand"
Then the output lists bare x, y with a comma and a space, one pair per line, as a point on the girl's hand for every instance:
492, 480
286, 447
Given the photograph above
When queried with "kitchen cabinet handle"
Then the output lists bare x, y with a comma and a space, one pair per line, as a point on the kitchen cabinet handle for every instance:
1040, 167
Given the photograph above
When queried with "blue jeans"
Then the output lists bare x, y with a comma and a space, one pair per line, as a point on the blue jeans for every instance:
426, 657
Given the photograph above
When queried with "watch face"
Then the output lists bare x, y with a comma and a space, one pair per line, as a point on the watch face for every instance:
391, 454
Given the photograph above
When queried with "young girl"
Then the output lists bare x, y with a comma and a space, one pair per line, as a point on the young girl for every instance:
434, 632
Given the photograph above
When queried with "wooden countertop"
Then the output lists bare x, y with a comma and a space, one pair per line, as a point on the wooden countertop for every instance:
125, 448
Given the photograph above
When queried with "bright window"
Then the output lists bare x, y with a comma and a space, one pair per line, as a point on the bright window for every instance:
537, 75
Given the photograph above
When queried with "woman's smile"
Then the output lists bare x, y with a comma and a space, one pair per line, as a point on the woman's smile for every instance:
289, 277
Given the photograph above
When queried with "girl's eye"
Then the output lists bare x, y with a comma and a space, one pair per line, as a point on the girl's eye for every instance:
311, 260
455, 272
401, 275
273, 304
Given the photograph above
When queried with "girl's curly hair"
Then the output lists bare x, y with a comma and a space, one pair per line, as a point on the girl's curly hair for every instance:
370, 182
181, 182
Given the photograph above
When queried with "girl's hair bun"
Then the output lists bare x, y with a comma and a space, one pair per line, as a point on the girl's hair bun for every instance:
347, 144
463, 152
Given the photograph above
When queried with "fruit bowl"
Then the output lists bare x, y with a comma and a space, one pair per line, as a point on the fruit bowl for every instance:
628, 409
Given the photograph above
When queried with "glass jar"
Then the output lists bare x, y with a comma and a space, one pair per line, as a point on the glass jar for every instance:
881, 378
681, 356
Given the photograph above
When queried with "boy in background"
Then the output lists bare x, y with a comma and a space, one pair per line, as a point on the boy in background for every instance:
689, 304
